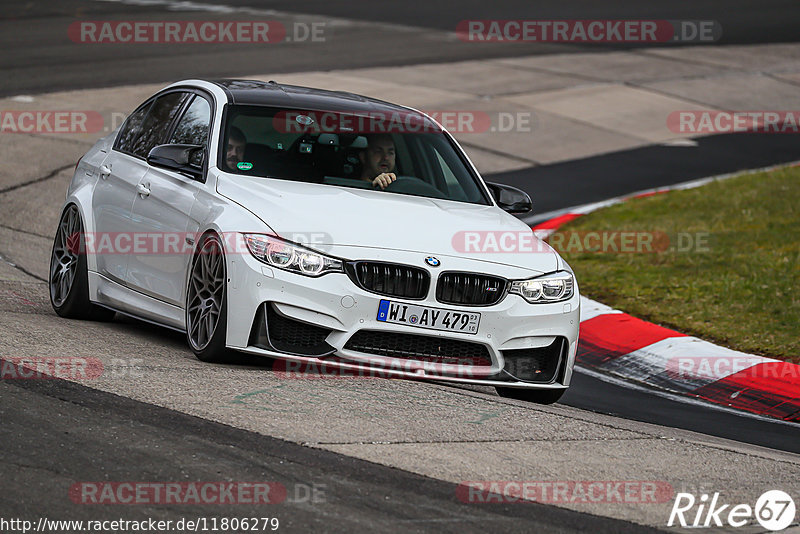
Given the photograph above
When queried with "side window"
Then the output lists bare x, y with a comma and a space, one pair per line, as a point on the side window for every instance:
130, 130
193, 126
157, 122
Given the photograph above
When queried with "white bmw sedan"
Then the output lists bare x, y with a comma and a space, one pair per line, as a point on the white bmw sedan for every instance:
325, 229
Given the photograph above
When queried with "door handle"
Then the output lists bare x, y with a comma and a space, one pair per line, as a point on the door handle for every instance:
143, 190
105, 170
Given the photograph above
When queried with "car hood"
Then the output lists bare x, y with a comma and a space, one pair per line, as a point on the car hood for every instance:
328, 217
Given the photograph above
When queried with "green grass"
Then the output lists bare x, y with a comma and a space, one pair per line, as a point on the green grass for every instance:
742, 292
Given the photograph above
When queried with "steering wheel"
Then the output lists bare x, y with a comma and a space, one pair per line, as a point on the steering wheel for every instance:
413, 186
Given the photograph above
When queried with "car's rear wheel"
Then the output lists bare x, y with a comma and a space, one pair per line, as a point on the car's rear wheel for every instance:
69, 280
206, 302
538, 396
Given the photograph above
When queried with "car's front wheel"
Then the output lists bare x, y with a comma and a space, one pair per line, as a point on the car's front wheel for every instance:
538, 396
206, 302
69, 279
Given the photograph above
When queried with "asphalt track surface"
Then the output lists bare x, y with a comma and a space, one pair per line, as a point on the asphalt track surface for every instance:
41, 58
100, 436
743, 21
583, 181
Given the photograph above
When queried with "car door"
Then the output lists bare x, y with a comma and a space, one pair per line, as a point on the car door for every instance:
118, 174
162, 210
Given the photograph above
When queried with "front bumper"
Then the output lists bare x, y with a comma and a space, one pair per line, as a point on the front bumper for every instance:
333, 302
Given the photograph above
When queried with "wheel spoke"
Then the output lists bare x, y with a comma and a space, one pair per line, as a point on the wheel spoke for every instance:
197, 285
62, 287
206, 268
56, 284
216, 262
217, 290
209, 325
55, 269
195, 326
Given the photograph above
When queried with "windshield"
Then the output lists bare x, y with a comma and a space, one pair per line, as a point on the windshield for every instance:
348, 150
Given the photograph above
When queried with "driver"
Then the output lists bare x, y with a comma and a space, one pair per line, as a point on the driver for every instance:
234, 151
377, 160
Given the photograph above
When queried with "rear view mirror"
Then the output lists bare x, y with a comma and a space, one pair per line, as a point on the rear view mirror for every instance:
510, 199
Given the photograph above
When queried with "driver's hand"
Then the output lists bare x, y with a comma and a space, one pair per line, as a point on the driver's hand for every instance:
384, 179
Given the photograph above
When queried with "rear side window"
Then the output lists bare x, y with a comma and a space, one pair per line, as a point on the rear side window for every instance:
157, 122
130, 130
193, 126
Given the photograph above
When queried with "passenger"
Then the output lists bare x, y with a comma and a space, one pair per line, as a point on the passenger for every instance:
234, 152
378, 160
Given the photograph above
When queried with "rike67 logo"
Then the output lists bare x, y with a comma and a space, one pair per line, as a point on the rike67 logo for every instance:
774, 510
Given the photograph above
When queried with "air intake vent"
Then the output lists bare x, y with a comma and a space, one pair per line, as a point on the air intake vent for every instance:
470, 289
536, 365
418, 347
390, 279
273, 331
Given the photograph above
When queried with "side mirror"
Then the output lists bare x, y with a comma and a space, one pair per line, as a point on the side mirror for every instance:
510, 199
182, 158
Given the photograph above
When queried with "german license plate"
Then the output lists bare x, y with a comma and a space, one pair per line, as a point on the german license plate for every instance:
426, 317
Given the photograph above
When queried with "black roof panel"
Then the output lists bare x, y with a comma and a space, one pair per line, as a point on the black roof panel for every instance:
259, 93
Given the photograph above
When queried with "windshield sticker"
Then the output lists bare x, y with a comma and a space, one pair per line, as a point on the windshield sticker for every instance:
244, 166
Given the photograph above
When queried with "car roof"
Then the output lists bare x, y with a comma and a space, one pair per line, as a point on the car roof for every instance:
260, 93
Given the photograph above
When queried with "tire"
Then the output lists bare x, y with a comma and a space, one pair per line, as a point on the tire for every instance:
69, 282
206, 303
538, 396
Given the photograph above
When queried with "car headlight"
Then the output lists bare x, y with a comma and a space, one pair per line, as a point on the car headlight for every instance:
288, 256
548, 288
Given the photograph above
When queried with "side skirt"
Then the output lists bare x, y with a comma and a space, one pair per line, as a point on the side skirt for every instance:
119, 298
